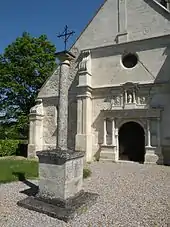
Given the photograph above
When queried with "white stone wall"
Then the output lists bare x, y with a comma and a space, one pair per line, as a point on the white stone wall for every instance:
97, 125
146, 19
107, 68
164, 100
140, 18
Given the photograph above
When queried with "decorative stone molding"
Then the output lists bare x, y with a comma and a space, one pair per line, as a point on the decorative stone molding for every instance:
38, 108
75, 51
133, 113
85, 64
115, 101
127, 96
84, 69
142, 100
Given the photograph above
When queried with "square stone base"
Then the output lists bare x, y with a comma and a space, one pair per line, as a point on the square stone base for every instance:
153, 155
62, 210
60, 173
108, 153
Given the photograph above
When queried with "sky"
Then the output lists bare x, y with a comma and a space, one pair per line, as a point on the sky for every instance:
44, 17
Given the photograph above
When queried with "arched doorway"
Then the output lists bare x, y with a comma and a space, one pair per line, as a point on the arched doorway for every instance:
132, 142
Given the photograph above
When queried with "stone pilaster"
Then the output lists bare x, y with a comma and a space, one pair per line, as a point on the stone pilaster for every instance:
122, 21
35, 129
113, 132
84, 120
153, 154
84, 137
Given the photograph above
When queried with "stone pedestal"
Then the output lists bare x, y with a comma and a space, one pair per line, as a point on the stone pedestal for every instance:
60, 193
108, 153
153, 155
69, 178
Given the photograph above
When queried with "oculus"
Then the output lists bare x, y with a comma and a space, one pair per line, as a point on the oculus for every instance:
129, 60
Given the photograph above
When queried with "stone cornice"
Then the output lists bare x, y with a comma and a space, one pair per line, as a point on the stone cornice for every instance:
34, 116
161, 41
134, 113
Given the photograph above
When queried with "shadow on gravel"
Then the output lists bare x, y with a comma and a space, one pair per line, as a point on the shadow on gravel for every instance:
33, 190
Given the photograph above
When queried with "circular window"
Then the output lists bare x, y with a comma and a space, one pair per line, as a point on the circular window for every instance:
129, 60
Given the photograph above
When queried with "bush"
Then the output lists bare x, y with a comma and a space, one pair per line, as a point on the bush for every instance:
86, 172
8, 147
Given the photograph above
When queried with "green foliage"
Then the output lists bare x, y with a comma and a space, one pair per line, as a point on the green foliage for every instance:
10, 170
24, 67
9, 131
86, 172
8, 147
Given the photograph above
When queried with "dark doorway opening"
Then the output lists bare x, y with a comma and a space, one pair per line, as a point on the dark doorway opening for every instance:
132, 142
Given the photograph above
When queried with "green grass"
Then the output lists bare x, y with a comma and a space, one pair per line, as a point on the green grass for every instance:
14, 170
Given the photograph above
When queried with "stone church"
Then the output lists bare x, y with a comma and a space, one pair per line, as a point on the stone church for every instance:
118, 87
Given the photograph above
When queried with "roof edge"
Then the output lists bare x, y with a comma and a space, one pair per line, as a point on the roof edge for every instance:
120, 44
88, 24
154, 1
159, 4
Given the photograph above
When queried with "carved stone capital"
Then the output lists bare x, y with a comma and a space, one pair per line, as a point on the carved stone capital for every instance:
85, 63
38, 108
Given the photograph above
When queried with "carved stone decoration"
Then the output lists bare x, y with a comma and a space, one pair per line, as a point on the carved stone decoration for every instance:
142, 100
112, 104
129, 91
38, 108
85, 64
130, 98
75, 51
115, 101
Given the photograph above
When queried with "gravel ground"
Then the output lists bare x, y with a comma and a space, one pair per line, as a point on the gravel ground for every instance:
130, 195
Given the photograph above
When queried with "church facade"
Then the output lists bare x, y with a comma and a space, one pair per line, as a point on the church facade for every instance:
119, 87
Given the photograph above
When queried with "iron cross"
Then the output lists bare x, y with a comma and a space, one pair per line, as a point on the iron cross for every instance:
66, 35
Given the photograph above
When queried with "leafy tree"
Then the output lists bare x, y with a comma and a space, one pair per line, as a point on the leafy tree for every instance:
24, 67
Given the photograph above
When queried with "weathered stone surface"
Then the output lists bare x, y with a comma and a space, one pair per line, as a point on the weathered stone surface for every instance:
58, 156
63, 210
60, 173
63, 105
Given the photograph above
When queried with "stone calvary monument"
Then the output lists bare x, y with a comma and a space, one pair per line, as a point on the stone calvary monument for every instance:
109, 100
118, 88
60, 193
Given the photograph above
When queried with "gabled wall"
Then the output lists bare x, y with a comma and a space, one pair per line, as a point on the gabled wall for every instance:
141, 19
153, 63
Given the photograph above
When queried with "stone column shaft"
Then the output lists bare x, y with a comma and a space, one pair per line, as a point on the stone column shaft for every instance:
134, 97
126, 98
79, 116
117, 143
105, 132
113, 132
63, 106
148, 134
158, 132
